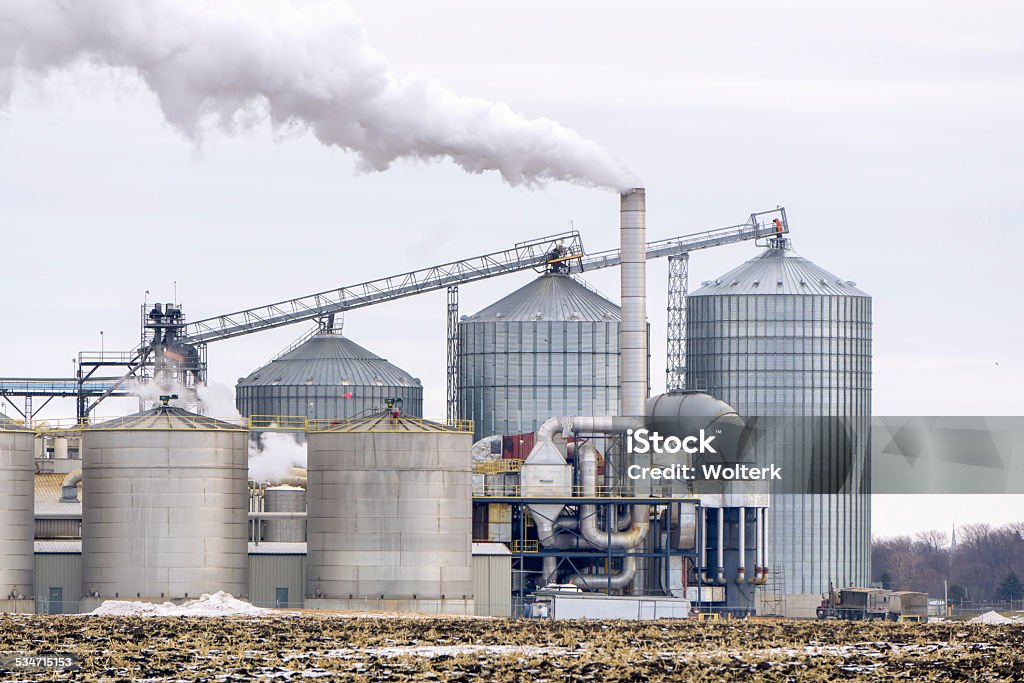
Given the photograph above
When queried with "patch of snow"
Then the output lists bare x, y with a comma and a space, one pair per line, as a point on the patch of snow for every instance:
432, 651
219, 604
991, 617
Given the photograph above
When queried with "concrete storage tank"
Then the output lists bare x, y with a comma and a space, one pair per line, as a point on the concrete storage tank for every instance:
327, 377
17, 521
390, 516
782, 339
164, 506
549, 348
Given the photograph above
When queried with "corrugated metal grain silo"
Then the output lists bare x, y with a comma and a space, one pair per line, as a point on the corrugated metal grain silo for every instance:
783, 340
327, 377
548, 348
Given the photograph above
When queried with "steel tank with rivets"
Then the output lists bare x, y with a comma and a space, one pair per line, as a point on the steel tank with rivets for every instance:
17, 523
390, 515
164, 506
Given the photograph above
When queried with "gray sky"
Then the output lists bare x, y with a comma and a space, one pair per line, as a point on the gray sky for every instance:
890, 131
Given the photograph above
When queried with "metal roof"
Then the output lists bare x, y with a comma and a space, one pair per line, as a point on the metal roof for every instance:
165, 418
9, 425
61, 547
778, 271
329, 359
490, 549
552, 296
277, 548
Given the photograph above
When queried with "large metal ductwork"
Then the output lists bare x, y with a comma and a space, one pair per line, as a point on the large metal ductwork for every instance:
620, 540
633, 283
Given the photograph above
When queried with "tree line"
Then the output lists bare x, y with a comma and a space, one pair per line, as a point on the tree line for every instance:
985, 564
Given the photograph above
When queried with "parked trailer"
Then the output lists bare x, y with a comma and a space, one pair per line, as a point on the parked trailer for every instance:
565, 605
907, 606
856, 603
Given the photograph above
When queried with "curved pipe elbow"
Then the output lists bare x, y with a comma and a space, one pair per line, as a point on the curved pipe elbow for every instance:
73, 478
69, 487
601, 580
551, 426
625, 540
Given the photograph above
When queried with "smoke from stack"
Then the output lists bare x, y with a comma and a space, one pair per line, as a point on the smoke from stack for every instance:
213, 65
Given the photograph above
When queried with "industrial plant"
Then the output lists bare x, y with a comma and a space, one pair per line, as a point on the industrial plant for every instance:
519, 502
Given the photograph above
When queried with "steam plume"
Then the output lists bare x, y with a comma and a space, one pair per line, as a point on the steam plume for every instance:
305, 65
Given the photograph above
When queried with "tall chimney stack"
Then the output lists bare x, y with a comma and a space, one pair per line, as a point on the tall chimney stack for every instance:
633, 286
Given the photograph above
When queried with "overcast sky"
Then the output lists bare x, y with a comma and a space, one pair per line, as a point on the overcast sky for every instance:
890, 131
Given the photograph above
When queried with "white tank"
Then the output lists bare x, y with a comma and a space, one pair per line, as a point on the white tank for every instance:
390, 516
289, 499
17, 520
164, 506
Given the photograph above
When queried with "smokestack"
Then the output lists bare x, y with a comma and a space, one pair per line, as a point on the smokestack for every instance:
633, 285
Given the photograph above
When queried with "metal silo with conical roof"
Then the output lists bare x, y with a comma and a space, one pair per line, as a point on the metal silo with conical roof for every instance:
548, 348
328, 376
164, 506
17, 523
783, 340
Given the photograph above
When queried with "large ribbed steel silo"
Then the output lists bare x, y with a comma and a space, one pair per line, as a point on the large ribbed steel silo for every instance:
785, 341
389, 522
17, 521
164, 506
548, 348
327, 377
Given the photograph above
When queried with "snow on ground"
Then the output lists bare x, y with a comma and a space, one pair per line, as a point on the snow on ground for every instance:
448, 651
218, 604
993, 618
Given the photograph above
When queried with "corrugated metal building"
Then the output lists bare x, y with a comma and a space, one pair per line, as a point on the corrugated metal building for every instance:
327, 377
492, 579
58, 576
549, 348
782, 338
277, 574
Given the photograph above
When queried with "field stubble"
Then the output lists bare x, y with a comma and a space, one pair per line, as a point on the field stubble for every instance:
440, 649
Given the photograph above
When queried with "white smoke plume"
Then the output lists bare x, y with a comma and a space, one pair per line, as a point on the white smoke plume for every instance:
276, 453
230, 63
270, 458
213, 400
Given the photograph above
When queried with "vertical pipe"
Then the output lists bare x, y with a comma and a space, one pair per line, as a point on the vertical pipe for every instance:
758, 540
764, 546
720, 569
633, 285
704, 545
741, 569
